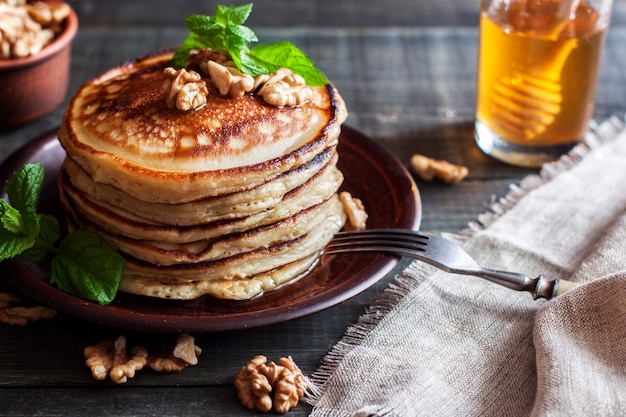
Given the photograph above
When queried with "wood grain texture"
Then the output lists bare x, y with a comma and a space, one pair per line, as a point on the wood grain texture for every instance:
289, 13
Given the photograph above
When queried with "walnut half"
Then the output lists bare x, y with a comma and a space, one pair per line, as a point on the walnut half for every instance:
228, 80
285, 89
257, 381
110, 358
185, 90
177, 357
12, 313
355, 210
428, 169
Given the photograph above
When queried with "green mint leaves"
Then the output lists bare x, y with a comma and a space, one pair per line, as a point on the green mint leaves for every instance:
88, 267
287, 55
225, 32
20, 222
83, 265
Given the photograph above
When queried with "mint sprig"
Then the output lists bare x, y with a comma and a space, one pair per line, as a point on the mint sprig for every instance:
225, 31
82, 265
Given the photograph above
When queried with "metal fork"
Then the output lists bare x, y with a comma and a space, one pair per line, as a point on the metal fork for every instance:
443, 254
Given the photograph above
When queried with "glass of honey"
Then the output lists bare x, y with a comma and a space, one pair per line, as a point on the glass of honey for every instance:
538, 65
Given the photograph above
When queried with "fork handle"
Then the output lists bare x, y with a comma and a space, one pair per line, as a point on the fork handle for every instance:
539, 287
565, 286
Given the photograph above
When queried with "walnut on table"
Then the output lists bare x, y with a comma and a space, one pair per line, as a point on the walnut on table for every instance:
428, 169
176, 357
110, 358
257, 381
12, 313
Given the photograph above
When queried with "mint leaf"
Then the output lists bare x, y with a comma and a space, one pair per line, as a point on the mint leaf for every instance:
252, 67
203, 25
20, 222
87, 267
50, 229
193, 41
24, 188
26, 225
244, 33
23, 191
35, 253
222, 32
49, 233
286, 54
84, 266
234, 14
12, 244
10, 218
225, 32
14, 238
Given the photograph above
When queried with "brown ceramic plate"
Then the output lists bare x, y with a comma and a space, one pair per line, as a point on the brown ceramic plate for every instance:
371, 174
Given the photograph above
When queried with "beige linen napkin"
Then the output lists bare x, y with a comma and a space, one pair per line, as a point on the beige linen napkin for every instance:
438, 344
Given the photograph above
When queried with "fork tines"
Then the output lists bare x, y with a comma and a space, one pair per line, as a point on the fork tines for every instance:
398, 241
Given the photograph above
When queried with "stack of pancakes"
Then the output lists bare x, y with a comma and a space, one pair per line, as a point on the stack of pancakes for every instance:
231, 199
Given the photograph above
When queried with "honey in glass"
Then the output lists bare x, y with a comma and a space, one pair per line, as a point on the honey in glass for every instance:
537, 76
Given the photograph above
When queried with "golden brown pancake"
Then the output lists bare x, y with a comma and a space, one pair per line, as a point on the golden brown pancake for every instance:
240, 276
217, 277
167, 253
115, 220
119, 131
231, 289
211, 209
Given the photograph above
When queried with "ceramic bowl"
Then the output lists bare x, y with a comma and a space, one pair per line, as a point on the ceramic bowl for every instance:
34, 86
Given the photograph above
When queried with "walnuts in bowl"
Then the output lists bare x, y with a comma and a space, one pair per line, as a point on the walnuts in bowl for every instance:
27, 27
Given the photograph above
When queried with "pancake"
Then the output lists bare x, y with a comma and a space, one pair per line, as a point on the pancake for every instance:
118, 130
235, 278
262, 259
238, 277
165, 253
231, 199
113, 220
229, 289
212, 209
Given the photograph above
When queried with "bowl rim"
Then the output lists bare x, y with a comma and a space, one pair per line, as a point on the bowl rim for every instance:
65, 38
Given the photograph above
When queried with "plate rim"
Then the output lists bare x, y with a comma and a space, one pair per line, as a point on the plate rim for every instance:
42, 291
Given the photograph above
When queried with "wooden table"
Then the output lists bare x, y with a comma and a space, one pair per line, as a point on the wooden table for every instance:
409, 84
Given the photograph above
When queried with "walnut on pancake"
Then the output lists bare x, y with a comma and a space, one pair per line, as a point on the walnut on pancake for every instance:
185, 90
